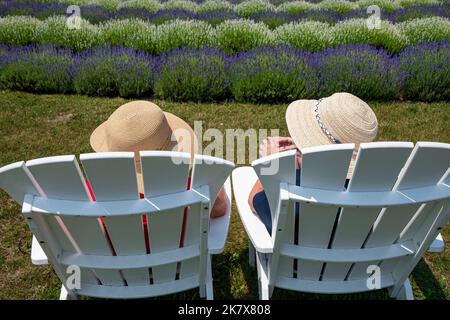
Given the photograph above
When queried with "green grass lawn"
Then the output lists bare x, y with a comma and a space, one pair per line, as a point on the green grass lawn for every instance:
33, 126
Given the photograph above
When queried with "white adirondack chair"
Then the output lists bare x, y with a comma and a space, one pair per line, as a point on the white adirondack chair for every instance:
394, 206
113, 257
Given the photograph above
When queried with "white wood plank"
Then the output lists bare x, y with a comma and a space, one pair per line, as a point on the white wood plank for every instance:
377, 168
244, 178
425, 167
17, 181
273, 170
112, 176
323, 167
60, 177
164, 234
211, 171
164, 172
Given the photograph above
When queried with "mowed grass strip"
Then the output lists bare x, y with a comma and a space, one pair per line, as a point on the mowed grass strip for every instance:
33, 126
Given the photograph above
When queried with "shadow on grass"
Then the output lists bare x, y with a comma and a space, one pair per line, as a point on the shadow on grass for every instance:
427, 282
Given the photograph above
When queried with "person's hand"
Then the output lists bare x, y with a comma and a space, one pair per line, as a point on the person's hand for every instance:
273, 145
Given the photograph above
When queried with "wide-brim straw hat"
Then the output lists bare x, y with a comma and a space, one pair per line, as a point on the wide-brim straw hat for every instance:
340, 118
142, 125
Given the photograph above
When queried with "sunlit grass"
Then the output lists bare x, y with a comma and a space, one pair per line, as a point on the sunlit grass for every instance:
33, 126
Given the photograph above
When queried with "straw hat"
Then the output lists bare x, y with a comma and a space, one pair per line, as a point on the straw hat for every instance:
340, 118
142, 125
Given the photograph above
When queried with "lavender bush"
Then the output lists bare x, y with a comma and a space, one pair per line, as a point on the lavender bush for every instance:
270, 74
18, 31
426, 71
241, 35
54, 31
44, 69
309, 35
388, 36
363, 70
192, 75
107, 71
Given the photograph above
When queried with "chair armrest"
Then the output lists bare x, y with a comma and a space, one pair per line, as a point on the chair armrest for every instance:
38, 256
244, 179
218, 227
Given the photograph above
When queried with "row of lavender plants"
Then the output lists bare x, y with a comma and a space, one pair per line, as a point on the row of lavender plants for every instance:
232, 36
245, 7
267, 74
272, 18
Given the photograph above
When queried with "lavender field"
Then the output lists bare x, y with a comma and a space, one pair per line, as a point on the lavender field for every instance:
215, 50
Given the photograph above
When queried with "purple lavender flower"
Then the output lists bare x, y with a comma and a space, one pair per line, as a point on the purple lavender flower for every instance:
186, 74
273, 74
425, 70
359, 69
108, 71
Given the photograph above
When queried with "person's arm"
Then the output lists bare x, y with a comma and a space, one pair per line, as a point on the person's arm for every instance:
256, 189
270, 146
220, 205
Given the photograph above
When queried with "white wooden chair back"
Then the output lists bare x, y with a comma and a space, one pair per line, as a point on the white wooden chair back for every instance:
396, 202
119, 255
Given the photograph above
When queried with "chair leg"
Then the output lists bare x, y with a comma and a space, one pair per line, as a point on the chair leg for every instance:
438, 244
65, 295
251, 254
405, 292
263, 281
209, 281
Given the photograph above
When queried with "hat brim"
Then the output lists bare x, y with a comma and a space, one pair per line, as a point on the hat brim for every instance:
304, 129
99, 143
179, 128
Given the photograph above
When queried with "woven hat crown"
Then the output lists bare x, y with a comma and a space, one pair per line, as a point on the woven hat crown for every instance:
137, 125
348, 118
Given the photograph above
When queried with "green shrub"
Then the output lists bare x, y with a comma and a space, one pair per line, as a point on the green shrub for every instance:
180, 4
149, 5
251, 7
340, 6
241, 35
308, 35
355, 31
295, 7
426, 29
54, 31
130, 33
214, 5
385, 5
410, 3
183, 33
18, 30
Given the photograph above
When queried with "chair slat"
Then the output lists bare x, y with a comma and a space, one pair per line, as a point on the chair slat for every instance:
323, 167
112, 176
164, 234
377, 168
426, 166
60, 177
164, 172
192, 236
212, 172
17, 181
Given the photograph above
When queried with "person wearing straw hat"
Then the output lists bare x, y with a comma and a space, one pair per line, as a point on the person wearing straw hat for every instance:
142, 125
340, 118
